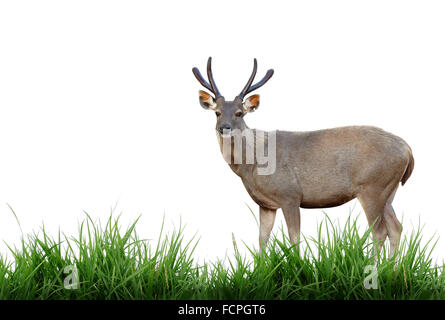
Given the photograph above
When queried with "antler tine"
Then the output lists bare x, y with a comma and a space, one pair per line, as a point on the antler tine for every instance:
201, 80
247, 88
260, 83
249, 83
210, 76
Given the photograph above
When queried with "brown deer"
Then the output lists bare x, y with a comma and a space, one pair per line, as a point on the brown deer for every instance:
315, 169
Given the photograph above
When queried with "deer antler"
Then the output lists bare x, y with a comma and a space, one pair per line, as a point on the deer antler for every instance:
248, 87
212, 86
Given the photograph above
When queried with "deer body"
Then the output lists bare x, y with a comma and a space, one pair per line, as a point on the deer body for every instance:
326, 168
317, 169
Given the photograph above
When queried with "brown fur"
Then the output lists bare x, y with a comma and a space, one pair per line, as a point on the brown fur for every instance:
409, 169
254, 100
204, 95
318, 169
325, 168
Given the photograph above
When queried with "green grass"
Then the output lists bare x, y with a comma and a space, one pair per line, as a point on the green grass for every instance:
115, 264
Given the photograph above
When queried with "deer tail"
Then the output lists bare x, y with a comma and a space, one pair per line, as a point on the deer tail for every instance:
409, 168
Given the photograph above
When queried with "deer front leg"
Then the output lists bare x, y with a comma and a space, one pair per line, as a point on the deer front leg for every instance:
292, 217
267, 219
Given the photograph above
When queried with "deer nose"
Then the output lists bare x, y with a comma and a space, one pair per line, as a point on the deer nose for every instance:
224, 127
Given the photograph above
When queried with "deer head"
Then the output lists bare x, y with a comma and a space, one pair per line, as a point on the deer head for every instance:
229, 114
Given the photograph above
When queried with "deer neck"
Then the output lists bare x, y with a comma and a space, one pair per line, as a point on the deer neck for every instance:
247, 146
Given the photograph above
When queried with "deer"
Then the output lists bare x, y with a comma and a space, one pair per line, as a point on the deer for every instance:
313, 169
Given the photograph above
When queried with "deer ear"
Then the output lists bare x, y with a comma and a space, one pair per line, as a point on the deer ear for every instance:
251, 103
206, 100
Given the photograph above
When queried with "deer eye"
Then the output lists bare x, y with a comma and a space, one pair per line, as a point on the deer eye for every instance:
238, 113
217, 113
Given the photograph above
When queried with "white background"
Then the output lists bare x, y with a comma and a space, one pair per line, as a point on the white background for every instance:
98, 106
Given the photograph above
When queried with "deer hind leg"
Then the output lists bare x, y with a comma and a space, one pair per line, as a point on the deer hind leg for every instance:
292, 217
393, 226
267, 220
374, 207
